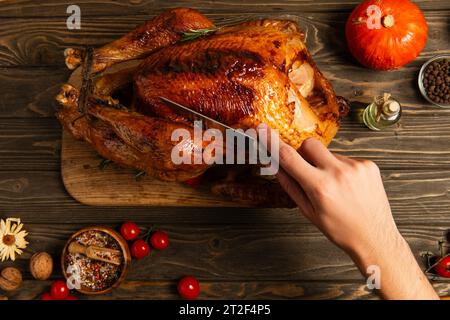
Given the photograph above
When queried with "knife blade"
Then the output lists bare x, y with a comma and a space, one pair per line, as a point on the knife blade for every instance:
201, 116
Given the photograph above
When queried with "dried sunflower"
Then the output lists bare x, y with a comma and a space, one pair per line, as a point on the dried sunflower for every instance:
12, 238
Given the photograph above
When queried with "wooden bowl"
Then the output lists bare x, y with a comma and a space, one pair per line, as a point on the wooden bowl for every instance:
123, 247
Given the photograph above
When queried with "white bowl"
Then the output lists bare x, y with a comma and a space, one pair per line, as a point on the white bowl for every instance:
421, 75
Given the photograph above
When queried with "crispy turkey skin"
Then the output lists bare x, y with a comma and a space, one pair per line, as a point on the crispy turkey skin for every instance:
242, 75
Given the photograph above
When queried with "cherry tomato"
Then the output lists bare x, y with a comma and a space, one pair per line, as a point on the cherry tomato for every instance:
140, 249
443, 267
46, 296
59, 290
188, 288
194, 182
71, 298
129, 230
159, 240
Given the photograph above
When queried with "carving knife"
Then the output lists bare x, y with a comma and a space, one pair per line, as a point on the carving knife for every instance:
198, 115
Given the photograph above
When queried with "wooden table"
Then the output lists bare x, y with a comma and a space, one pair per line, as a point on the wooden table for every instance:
239, 253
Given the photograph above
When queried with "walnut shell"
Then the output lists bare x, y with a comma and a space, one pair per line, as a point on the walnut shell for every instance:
10, 279
41, 265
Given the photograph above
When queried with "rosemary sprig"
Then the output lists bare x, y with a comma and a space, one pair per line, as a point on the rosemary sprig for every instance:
436, 262
431, 263
104, 164
147, 235
194, 34
139, 175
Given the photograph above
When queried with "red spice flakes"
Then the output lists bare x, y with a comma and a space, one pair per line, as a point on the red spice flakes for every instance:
95, 275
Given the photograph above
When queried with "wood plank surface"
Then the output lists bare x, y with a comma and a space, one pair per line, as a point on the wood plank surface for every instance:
41, 42
158, 290
299, 263
417, 197
231, 253
30, 8
30, 92
249, 290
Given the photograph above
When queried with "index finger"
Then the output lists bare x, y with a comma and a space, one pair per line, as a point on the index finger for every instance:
289, 159
315, 152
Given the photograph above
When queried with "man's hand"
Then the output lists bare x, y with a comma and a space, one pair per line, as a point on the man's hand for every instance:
346, 200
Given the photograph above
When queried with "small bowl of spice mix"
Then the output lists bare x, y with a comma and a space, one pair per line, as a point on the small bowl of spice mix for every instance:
97, 258
434, 81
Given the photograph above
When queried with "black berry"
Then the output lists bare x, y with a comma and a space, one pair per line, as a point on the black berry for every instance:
436, 81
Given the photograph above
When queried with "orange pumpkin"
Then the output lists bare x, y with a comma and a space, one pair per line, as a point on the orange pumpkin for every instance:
386, 34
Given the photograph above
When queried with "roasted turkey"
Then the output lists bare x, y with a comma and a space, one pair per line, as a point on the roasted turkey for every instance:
241, 75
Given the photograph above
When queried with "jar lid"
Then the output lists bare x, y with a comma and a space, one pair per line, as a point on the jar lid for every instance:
391, 107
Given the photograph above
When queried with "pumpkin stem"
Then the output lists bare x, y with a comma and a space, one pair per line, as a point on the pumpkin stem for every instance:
388, 21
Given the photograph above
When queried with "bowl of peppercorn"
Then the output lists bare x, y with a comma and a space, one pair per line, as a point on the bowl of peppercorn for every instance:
434, 81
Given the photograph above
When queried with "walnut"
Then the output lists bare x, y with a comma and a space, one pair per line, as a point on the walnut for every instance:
10, 279
41, 265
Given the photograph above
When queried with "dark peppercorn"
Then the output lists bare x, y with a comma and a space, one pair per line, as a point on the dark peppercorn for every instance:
436, 81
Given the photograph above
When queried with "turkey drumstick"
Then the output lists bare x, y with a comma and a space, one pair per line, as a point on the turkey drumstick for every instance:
128, 138
161, 31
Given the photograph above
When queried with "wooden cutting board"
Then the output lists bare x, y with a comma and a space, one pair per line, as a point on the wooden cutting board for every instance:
114, 186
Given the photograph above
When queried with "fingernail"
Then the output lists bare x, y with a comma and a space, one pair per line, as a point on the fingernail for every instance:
262, 126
